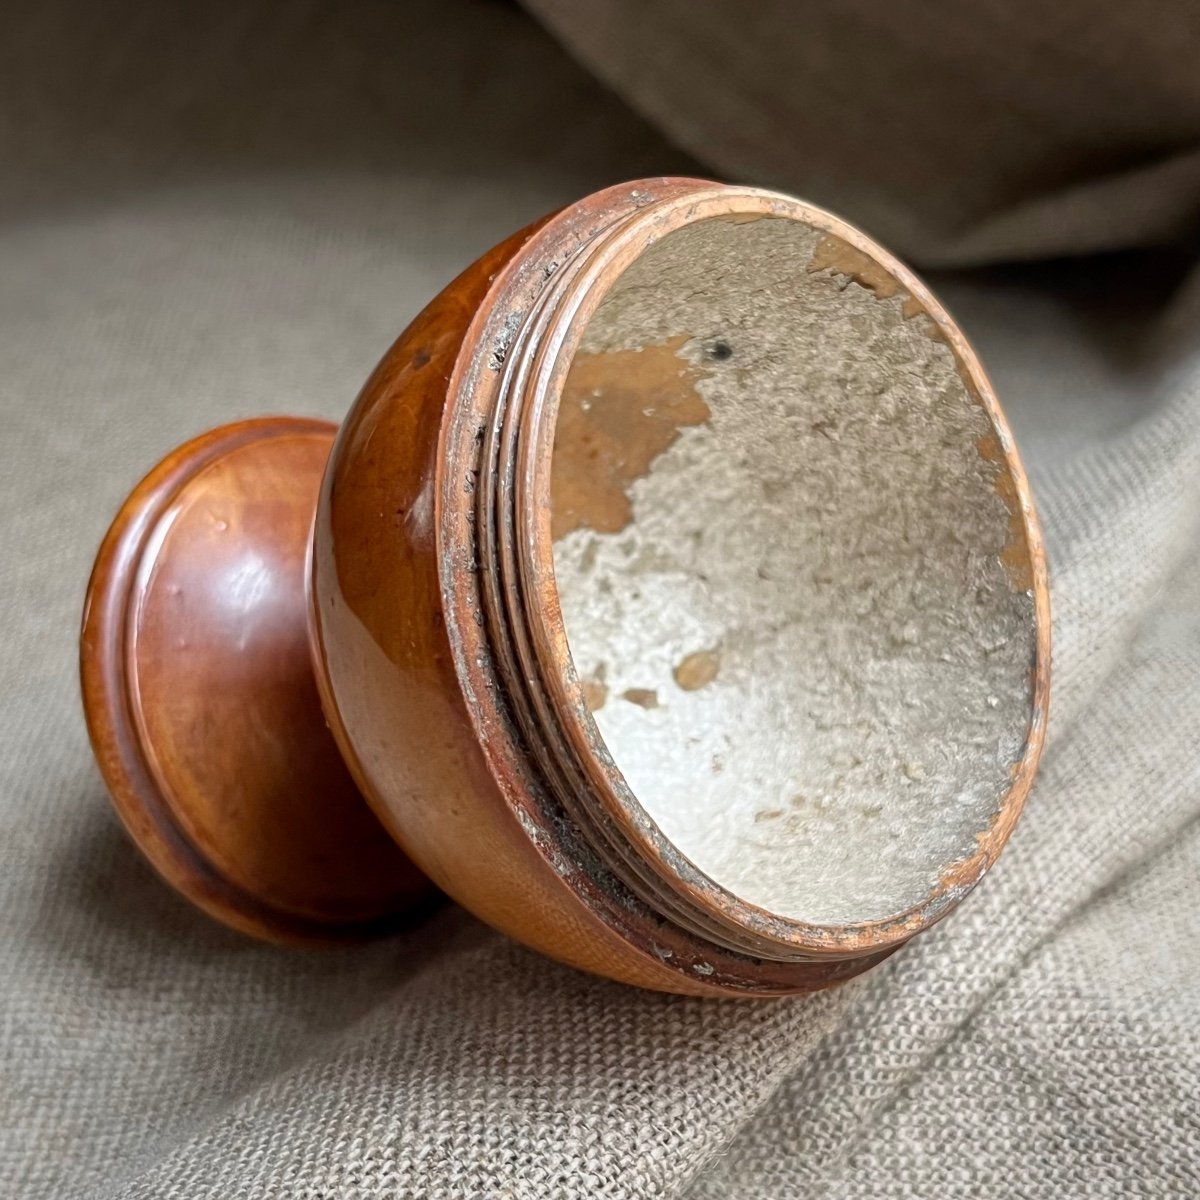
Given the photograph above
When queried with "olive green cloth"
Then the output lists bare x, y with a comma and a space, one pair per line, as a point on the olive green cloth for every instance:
212, 210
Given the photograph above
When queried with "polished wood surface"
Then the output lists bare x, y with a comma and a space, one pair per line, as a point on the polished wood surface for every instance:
410, 684
410, 660
202, 675
441, 768
201, 701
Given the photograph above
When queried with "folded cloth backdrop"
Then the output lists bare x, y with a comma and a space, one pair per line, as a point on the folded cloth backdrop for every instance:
215, 210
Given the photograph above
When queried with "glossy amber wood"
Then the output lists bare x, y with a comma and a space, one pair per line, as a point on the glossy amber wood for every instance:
200, 698
407, 650
200, 694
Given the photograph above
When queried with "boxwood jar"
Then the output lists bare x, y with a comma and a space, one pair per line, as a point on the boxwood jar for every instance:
672, 592
677, 599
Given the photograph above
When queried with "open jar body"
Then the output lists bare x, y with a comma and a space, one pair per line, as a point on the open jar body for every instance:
676, 596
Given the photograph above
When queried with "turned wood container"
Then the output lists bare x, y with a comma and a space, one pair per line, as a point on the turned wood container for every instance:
674, 595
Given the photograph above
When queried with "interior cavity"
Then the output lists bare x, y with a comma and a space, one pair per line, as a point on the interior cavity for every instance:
779, 551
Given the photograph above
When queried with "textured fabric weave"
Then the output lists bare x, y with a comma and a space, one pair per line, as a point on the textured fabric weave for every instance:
209, 211
958, 133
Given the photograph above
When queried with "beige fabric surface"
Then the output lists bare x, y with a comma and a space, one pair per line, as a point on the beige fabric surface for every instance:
214, 210
984, 131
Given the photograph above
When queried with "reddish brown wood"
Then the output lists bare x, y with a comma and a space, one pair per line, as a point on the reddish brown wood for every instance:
200, 698
439, 652
413, 667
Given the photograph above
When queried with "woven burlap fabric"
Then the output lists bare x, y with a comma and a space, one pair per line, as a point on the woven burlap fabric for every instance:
989, 130
210, 211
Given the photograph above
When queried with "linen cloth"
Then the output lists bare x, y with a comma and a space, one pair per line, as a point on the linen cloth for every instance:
210, 211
